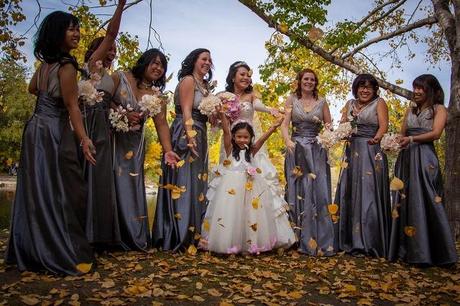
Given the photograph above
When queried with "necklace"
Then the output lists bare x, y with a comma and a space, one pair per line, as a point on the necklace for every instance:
308, 104
145, 85
201, 86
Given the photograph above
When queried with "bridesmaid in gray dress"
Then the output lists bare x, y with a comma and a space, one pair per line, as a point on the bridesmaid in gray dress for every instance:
46, 229
420, 232
102, 228
363, 193
129, 147
178, 220
308, 191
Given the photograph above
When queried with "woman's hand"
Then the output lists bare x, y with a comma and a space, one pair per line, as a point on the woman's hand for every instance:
278, 121
191, 144
89, 150
375, 140
404, 141
274, 112
171, 158
134, 118
290, 145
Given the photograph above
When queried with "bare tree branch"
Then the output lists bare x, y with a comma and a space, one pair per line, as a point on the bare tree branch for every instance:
306, 42
391, 10
124, 9
374, 11
410, 27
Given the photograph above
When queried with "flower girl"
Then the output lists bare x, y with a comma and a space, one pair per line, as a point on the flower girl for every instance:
242, 215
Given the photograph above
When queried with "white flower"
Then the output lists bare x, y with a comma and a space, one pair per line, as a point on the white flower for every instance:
226, 96
327, 138
88, 93
119, 120
151, 104
390, 143
344, 130
208, 104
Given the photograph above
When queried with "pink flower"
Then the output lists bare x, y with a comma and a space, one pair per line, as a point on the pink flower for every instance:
251, 171
233, 250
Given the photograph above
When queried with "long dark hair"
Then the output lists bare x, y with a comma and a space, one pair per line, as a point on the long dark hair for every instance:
432, 88
189, 63
50, 37
361, 80
144, 61
299, 77
93, 47
235, 148
230, 86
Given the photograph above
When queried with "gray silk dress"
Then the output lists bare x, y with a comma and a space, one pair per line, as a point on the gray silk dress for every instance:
47, 223
363, 192
102, 226
129, 155
177, 221
309, 197
420, 232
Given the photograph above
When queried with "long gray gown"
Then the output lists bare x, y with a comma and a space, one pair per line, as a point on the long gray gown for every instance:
177, 221
129, 155
420, 232
363, 192
48, 211
308, 198
102, 227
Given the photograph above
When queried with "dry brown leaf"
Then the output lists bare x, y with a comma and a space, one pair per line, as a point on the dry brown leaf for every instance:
29, 300
214, 292
129, 155
231, 191
297, 172
253, 227
84, 267
191, 133
206, 225
396, 184
180, 163
437, 199
312, 176
409, 231
198, 285
333, 208
255, 202
312, 244
191, 250
226, 163
248, 186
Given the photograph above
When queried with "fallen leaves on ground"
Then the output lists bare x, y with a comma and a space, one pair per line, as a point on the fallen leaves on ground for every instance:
195, 276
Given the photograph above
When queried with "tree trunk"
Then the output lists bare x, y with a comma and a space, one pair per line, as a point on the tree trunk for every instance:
452, 171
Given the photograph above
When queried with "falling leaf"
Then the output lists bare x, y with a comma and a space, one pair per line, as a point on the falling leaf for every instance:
201, 197
437, 199
217, 173
199, 176
206, 225
84, 267
333, 208
191, 133
258, 170
344, 165
191, 250
409, 231
129, 155
335, 218
191, 159
312, 175
253, 227
133, 174
297, 172
255, 202
172, 114
231, 191
378, 156
396, 184
189, 122
330, 248
159, 172
175, 194
248, 186
178, 216
204, 177
226, 163
191, 228
180, 163
394, 213
299, 197
312, 244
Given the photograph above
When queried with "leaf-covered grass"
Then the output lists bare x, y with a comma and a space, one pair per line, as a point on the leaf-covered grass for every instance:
277, 278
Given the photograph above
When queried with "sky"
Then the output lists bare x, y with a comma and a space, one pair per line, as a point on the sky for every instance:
226, 27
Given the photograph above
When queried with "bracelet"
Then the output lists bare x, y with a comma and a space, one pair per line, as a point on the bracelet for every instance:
82, 140
411, 139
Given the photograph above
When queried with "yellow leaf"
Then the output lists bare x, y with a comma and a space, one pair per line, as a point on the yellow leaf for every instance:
394, 213
223, 303
191, 159
297, 171
254, 227
178, 216
255, 202
191, 250
248, 186
295, 294
214, 292
159, 172
258, 170
283, 28
349, 287
84, 267
334, 218
175, 194
191, 133
409, 231
204, 177
437, 199
312, 175
180, 163
199, 176
344, 165
129, 155
206, 225
333, 208
189, 122
312, 244
172, 114
396, 184
231, 191
201, 197
226, 163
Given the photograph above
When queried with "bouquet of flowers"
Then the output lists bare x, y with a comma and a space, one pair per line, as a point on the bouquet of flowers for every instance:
327, 138
230, 104
208, 104
390, 143
344, 130
151, 104
119, 119
87, 91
